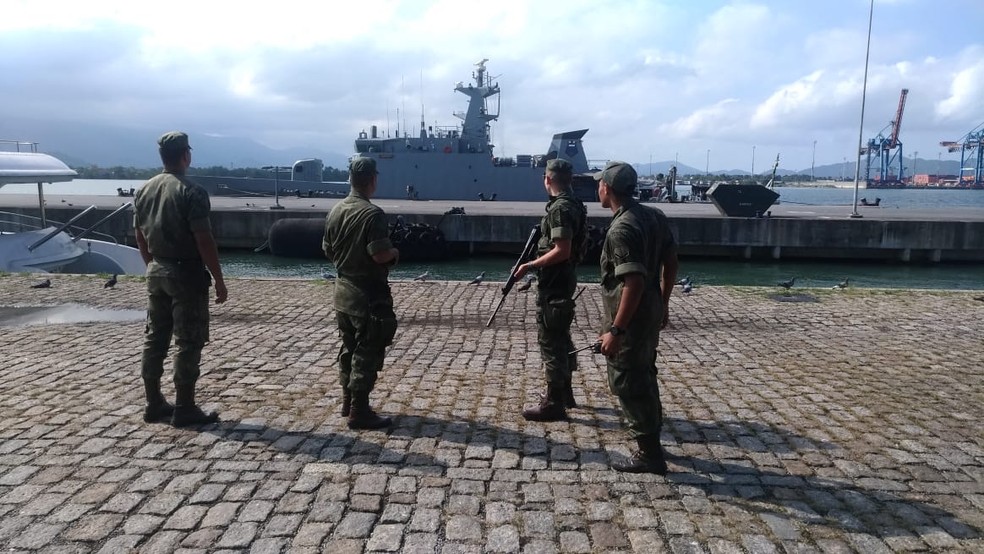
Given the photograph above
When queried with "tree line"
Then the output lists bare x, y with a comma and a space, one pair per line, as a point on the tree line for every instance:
138, 173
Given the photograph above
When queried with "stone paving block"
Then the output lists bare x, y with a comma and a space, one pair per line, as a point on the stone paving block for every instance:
93, 527
800, 428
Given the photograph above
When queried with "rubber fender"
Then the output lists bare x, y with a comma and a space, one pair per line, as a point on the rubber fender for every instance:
297, 237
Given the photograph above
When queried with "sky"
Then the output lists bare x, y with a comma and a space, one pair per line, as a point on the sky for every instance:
713, 84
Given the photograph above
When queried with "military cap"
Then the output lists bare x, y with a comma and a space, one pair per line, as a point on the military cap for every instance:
363, 166
560, 166
620, 176
174, 141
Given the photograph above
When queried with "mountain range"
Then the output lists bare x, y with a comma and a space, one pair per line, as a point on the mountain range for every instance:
82, 145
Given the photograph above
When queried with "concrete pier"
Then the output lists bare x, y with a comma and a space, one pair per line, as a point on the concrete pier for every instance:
848, 424
789, 231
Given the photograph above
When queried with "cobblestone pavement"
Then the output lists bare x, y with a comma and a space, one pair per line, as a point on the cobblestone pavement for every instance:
850, 424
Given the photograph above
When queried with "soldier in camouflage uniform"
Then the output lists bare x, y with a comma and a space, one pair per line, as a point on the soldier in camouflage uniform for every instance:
171, 218
563, 234
357, 241
638, 271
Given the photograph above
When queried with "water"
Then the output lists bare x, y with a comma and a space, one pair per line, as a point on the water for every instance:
808, 274
825, 196
709, 272
66, 313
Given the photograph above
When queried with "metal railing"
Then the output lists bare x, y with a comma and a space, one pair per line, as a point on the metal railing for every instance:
15, 222
86, 232
16, 145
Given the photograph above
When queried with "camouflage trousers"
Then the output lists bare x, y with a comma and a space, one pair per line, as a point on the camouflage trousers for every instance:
554, 316
632, 378
178, 308
364, 342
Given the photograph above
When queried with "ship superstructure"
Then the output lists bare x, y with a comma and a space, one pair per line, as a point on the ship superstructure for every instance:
458, 162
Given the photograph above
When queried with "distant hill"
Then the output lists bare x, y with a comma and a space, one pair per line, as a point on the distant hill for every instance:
109, 146
828, 171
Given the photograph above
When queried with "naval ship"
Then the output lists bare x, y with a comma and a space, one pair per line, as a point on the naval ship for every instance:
458, 163
440, 163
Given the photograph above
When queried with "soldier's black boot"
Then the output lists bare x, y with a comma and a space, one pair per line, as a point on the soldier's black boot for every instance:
551, 407
158, 408
361, 415
346, 403
186, 412
569, 401
648, 459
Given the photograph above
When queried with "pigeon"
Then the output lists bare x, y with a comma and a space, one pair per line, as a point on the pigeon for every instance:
683, 281
46, 284
478, 279
423, 276
327, 275
526, 283
687, 287
787, 284
111, 283
843, 284
979, 298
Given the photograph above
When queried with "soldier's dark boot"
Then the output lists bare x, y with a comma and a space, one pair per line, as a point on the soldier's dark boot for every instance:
346, 403
648, 459
158, 408
551, 406
569, 401
361, 415
186, 412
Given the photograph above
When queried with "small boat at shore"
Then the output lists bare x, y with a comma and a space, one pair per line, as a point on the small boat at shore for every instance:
34, 244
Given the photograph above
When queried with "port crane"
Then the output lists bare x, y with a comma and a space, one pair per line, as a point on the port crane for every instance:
886, 151
967, 144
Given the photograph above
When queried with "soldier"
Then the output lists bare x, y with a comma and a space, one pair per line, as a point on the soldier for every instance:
638, 270
171, 219
563, 235
357, 241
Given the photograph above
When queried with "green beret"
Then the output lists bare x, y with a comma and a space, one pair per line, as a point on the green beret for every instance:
174, 141
363, 166
620, 176
560, 166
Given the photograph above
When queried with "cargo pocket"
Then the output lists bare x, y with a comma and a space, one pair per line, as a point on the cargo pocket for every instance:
558, 314
382, 325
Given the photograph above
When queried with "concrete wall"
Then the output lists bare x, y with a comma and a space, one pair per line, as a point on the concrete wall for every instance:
749, 238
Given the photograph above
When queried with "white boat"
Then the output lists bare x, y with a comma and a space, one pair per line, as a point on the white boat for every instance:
37, 245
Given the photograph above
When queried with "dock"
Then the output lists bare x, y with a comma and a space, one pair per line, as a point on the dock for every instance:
844, 421
785, 231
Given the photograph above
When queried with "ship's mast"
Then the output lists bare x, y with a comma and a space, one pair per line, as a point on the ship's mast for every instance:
474, 130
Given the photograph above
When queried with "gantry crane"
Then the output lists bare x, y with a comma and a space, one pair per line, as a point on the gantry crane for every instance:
887, 151
970, 141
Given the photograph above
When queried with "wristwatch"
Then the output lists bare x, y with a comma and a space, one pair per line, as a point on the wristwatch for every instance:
616, 331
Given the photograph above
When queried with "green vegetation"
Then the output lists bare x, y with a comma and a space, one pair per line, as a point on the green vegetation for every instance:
136, 173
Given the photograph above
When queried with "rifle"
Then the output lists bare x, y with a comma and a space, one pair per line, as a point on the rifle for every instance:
523, 258
594, 347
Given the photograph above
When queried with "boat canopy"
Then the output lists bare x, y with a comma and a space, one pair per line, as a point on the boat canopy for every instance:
33, 167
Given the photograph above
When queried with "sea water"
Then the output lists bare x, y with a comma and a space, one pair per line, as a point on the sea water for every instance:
701, 271
931, 198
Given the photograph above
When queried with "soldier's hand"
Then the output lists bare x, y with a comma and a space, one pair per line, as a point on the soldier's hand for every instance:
610, 344
666, 319
220, 292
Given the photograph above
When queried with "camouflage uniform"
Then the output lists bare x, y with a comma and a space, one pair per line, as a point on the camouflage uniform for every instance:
169, 208
355, 230
637, 241
565, 219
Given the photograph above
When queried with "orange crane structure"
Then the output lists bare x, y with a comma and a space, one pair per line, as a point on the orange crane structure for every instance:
886, 152
974, 140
